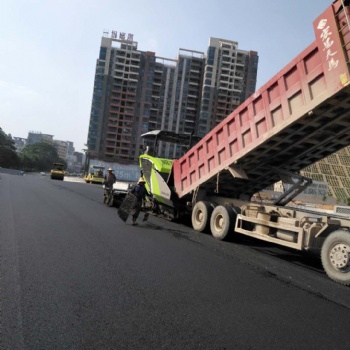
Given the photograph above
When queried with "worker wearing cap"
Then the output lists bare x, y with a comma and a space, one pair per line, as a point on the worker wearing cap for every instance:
140, 192
110, 178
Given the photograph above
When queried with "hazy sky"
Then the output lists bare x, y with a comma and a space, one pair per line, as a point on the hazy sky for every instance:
48, 48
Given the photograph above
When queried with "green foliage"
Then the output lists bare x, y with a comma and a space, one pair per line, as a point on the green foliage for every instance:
8, 155
39, 157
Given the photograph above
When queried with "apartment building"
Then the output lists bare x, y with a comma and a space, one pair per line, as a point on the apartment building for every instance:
229, 79
137, 91
65, 149
180, 98
119, 111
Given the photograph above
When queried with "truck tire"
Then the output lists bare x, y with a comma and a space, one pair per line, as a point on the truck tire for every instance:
201, 214
335, 256
222, 221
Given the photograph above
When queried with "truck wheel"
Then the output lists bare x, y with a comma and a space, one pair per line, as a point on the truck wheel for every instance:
222, 221
335, 256
201, 216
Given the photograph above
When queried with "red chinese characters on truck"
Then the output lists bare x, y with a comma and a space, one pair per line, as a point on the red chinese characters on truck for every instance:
327, 28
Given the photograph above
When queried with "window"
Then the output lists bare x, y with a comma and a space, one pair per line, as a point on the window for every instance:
211, 55
103, 51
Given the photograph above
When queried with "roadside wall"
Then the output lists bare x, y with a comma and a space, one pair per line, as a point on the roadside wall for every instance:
123, 172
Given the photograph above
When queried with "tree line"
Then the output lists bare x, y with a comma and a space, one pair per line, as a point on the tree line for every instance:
36, 157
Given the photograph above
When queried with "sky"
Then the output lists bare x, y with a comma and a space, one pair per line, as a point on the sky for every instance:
48, 48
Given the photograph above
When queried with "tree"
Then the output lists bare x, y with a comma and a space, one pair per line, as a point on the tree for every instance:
40, 157
8, 155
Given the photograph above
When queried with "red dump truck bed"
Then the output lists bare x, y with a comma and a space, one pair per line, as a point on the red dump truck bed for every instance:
298, 117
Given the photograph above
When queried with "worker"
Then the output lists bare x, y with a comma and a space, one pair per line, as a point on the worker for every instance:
140, 192
110, 178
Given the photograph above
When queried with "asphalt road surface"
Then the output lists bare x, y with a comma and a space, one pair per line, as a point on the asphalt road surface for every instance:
74, 276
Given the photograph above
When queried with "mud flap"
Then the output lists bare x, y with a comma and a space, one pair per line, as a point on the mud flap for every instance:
126, 206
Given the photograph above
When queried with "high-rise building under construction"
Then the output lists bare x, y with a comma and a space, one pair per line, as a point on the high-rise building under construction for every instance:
136, 91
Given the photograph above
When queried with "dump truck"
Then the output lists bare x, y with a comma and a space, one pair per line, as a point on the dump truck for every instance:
300, 116
57, 171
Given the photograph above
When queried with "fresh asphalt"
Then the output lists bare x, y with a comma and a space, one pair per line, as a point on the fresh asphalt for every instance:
74, 276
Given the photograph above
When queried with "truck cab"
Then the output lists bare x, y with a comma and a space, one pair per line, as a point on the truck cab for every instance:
157, 170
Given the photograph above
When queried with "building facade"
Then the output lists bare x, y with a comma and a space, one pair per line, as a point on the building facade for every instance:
229, 79
20, 143
37, 136
136, 91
